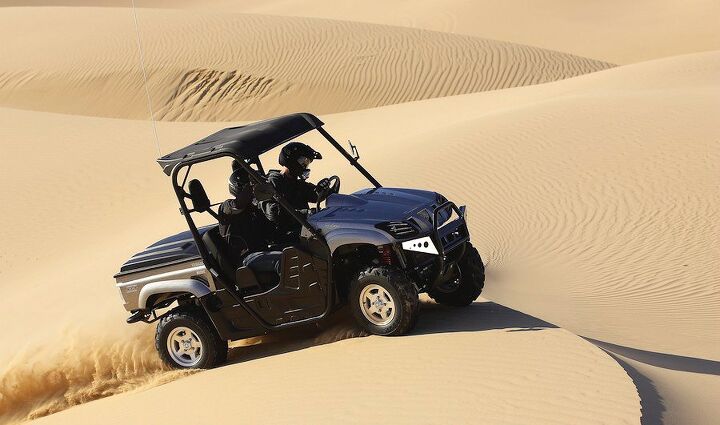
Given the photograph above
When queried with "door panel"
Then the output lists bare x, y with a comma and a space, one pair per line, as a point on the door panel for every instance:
301, 293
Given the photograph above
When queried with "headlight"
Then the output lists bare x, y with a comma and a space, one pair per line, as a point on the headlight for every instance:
398, 229
425, 215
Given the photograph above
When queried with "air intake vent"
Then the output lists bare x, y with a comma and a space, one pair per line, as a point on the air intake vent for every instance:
398, 229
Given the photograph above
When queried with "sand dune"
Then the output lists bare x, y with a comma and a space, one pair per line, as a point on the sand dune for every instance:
210, 67
608, 225
354, 374
604, 151
450, 336
593, 203
615, 31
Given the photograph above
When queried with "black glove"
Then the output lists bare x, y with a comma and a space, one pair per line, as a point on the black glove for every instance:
322, 185
322, 189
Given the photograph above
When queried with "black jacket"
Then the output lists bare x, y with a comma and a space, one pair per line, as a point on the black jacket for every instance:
298, 193
244, 228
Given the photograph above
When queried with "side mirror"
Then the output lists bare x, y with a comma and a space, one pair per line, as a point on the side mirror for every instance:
354, 151
263, 191
198, 197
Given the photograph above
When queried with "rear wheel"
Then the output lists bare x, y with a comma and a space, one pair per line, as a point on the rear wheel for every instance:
468, 285
384, 301
186, 340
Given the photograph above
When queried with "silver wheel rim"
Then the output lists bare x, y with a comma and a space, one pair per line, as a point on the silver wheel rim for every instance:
377, 305
184, 346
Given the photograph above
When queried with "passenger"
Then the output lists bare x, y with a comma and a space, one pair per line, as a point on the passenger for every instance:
245, 229
291, 184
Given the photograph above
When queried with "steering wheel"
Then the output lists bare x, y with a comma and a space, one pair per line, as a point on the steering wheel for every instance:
327, 187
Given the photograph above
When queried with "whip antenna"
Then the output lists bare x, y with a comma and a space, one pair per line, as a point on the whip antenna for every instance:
144, 74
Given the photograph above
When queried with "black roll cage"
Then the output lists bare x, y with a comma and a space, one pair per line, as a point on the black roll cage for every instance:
257, 178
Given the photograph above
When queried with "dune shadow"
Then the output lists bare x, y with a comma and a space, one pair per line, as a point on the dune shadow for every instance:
663, 360
651, 403
434, 318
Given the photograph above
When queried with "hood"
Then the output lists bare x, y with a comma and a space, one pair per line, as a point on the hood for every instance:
371, 206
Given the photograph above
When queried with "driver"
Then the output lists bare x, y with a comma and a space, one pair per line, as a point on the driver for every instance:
244, 228
290, 182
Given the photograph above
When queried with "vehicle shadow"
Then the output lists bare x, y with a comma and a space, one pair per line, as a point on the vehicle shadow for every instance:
479, 316
434, 318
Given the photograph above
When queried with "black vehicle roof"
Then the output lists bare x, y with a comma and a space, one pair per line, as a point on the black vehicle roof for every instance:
247, 141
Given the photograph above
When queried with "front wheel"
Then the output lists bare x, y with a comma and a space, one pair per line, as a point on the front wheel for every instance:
384, 301
185, 340
468, 286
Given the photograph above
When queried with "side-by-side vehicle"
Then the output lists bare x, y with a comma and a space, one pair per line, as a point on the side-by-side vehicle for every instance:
375, 250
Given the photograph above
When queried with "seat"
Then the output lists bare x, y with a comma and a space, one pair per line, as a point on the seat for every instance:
216, 246
257, 269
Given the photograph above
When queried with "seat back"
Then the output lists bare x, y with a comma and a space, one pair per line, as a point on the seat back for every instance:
198, 197
218, 250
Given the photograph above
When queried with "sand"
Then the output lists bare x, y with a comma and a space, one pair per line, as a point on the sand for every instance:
614, 31
214, 67
354, 378
593, 201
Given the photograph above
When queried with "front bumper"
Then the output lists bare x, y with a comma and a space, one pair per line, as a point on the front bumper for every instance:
432, 257
446, 234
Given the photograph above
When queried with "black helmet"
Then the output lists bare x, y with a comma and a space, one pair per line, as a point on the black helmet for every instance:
238, 178
292, 154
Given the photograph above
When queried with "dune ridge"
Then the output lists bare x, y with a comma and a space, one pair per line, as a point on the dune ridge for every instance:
220, 67
613, 31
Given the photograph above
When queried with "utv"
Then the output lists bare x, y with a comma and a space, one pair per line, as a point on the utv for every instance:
375, 249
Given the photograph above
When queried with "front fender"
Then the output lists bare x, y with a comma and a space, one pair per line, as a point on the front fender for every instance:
340, 237
191, 286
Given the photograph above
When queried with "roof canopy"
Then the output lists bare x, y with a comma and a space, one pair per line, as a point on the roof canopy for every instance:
248, 141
